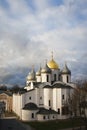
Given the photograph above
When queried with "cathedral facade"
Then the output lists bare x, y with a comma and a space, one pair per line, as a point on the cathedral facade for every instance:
47, 94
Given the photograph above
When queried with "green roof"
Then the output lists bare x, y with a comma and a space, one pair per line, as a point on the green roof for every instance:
44, 111
30, 106
6, 92
57, 85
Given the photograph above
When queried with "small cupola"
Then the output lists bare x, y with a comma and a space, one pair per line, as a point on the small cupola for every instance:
32, 75
46, 69
38, 73
66, 70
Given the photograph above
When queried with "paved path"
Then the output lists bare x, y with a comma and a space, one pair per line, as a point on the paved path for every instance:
76, 128
12, 124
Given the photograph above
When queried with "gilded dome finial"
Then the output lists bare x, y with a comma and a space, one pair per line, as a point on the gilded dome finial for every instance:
65, 63
40, 66
52, 55
33, 67
46, 61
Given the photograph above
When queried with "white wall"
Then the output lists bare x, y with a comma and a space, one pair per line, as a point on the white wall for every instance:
47, 117
44, 77
30, 96
57, 99
35, 96
38, 78
55, 72
17, 104
27, 115
48, 96
64, 78
39, 97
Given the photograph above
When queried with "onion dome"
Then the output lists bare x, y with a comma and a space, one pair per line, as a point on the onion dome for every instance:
65, 70
32, 75
52, 64
38, 73
46, 69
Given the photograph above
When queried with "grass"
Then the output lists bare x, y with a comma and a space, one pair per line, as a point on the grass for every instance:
9, 114
55, 125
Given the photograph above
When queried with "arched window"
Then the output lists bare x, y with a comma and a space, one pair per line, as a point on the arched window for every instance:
44, 117
54, 77
58, 110
30, 98
67, 79
40, 97
49, 103
59, 78
47, 78
32, 115
62, 96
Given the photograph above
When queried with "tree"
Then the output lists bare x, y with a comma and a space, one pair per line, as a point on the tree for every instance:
15, 89
78, 101
3, 87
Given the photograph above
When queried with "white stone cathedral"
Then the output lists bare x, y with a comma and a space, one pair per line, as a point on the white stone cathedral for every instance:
47, 94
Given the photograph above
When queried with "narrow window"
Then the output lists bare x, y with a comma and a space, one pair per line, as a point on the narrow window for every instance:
47, 78
40, 97
49, 103
30, 98
59, 78
62, 96
32, 115
44, 117
58, 111
67, 79
54, 77
65, 110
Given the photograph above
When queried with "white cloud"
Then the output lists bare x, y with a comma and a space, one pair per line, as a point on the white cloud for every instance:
27, 37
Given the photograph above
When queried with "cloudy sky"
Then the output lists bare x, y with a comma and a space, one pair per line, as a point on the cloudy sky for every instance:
31, 29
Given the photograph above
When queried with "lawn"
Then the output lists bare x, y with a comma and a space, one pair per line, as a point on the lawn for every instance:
9, 114
57, 124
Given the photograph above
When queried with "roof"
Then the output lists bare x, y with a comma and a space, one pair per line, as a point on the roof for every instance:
47, 86
30, 106
29, 91
6, 92
44, 111
57, 85
36, 84
66, 70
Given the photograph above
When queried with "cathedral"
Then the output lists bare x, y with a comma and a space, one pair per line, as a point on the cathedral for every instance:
47, 94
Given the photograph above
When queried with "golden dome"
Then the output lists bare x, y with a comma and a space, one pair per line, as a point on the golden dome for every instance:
52, 64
